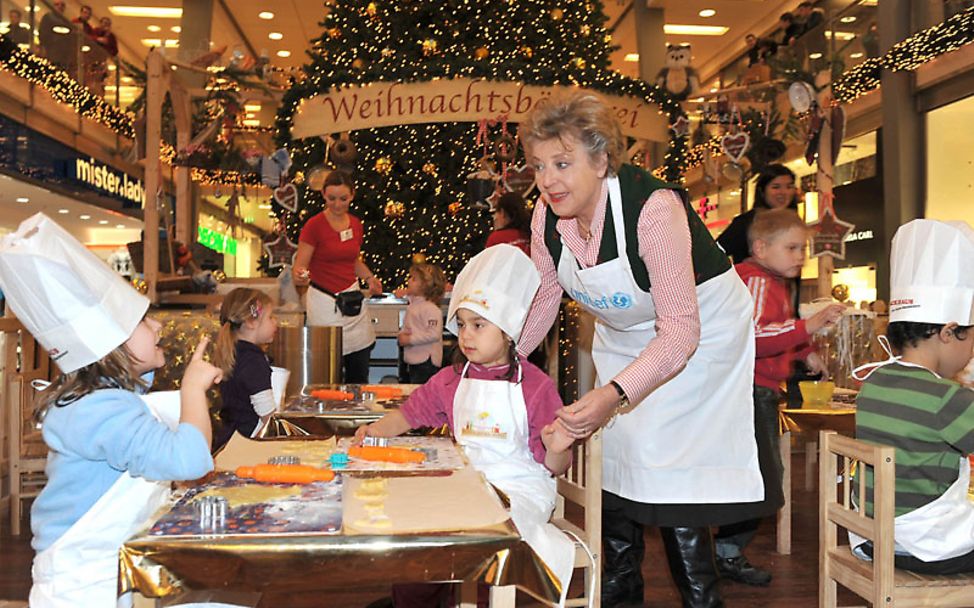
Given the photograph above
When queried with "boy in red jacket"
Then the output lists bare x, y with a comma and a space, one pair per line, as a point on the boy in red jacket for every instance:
777, 243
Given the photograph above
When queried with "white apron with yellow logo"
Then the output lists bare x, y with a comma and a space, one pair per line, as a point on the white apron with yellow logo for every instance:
80, 570
691, 440
490, 422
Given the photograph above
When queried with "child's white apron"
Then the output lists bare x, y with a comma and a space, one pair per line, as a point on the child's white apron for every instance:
691, 440
938, 530
81, 568
490, 422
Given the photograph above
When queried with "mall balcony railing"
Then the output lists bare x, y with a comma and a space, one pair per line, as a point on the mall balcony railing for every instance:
49, 33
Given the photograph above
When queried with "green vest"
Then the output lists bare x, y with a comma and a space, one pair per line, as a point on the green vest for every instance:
637, 185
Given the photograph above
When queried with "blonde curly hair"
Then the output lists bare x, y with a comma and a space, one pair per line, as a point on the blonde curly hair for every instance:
582, 115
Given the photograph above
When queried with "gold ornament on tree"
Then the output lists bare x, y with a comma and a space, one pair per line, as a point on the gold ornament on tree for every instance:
557, 14
455, 208
579, 63
481, 52
586, 30
841, 292
383, 165
419, 258
395, 209
429, 169
334, 32
358, 63
387, 52
371, 9
430, 46
527, 51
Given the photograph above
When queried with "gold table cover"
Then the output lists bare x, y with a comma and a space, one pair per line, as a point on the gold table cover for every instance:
839, 417
157, 566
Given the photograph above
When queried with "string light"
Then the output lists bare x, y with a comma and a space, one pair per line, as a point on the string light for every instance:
907, 55
63, 88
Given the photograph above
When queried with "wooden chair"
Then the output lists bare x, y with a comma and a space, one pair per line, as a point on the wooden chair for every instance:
878, 582
27, 453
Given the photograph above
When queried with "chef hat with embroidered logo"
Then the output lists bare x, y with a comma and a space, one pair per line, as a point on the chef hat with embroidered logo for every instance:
498, 284
77, 307
932, 273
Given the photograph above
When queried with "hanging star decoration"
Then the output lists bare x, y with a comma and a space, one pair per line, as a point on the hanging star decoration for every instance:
280, 251
704, 206
829, 232
681, 126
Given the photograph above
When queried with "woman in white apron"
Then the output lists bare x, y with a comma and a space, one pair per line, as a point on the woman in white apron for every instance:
909, 402
485, 403
673, 347
329, 261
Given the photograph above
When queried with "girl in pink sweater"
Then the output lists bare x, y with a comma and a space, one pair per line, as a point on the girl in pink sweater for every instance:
421, 336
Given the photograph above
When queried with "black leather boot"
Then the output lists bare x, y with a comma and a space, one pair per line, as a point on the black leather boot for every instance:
690, 553
622, 560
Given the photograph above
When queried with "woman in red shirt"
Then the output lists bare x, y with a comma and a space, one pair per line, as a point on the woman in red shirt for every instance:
329, 260
512, 224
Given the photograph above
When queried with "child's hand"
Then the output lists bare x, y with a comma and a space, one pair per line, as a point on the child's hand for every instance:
201, 375
375, 285
404, 338
399, 293
826, 317
556, 438
816, 364
360, 434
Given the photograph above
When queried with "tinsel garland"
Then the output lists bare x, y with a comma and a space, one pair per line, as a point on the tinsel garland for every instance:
64, 88
907, 55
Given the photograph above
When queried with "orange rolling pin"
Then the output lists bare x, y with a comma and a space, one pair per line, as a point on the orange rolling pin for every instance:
383, 391
399, 455
335, 395
285, 473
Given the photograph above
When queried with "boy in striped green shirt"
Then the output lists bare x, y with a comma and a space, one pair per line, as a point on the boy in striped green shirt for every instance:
911, 404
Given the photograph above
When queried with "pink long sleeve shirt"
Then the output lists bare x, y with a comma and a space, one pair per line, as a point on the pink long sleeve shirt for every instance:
432, 404
664, 246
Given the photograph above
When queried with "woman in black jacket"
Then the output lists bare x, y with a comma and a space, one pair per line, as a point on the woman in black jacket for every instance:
775, 190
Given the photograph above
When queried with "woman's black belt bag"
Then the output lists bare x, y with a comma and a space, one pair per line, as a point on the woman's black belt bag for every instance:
349, 303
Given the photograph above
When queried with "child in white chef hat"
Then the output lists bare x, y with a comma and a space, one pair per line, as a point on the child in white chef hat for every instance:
911, 403
111, 455
500, 407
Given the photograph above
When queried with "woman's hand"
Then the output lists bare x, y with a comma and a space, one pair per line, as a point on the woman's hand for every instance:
589, 413
375, 285
302, 277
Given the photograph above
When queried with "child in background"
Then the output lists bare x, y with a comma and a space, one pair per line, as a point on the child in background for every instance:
247, 323
910, 403
500, 407
109, 451
777, 242
421, 336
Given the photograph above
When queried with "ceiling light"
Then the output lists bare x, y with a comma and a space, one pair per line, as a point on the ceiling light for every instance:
103, 222
111, 67
169, 43
694, 30
252, 107
120, 225
263, 206
713, 89
633, 57
275, 36
284, 53
153, 28
251, 123
160, 12
707, 12
855, 55
176, 29
85, 216
840, 35
63, 211
23, 199
85, 48
848, 19
266, 15
60, 29
815, 56
250, 115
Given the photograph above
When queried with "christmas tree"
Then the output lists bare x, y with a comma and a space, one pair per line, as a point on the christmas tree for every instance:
411, 179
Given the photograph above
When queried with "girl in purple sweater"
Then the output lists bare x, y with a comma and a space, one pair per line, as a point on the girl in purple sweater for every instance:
500, 407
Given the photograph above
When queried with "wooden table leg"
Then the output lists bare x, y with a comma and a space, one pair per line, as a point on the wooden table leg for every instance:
784, 513
468, 595
811, 460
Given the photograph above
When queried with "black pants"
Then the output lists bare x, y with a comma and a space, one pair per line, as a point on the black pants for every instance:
419, 373
731, 539
955, 565
357, 365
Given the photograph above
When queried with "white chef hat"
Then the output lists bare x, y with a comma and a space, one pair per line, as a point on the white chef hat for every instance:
498, 284
932, 273
77, 307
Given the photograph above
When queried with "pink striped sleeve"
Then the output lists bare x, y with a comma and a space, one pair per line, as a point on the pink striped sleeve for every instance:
544, 308
664, 246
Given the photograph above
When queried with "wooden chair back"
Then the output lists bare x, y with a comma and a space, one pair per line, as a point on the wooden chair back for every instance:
878, 581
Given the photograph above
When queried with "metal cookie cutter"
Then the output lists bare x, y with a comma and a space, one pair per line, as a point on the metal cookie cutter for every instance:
376, 442
212, 512
284, 460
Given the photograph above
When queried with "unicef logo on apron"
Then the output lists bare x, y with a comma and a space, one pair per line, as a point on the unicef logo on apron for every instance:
621, 300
